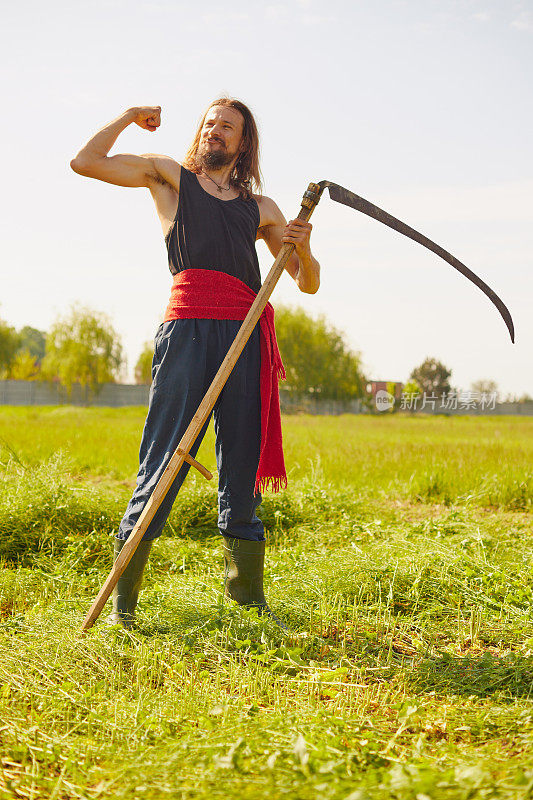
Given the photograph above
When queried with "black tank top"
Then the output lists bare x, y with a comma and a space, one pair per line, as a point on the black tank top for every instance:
209, 233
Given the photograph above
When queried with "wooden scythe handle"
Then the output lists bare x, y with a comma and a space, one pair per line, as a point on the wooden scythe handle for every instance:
181, 453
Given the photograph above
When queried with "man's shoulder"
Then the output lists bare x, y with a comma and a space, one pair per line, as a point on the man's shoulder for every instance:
269, 211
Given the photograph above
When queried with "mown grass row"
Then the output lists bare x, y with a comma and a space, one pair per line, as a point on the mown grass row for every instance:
45, 508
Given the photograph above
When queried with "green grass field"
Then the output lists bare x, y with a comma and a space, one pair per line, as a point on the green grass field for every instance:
401, 556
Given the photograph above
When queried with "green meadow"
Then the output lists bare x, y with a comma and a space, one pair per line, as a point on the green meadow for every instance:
400, 557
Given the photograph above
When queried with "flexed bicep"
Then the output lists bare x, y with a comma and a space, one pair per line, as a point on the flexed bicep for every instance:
126, 169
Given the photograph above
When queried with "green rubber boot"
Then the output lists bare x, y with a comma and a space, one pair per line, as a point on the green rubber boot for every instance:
244, 562
244, 565
126, 592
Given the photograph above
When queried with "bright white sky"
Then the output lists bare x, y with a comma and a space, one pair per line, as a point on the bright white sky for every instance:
422, 107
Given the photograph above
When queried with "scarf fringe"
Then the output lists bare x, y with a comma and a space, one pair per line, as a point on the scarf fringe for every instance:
274, 483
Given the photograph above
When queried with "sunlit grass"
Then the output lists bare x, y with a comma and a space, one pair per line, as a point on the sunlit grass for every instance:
475, 460
401, 559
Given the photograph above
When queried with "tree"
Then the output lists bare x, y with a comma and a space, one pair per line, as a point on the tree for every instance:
82, 348
9, 343
432, 377
515, 398
24, 367
411, 388
487, 387
33, 341
316, 356
143, 367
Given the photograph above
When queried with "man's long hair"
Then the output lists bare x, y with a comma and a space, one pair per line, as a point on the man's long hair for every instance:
245, 175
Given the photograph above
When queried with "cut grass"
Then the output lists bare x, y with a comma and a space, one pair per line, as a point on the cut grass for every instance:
414, 678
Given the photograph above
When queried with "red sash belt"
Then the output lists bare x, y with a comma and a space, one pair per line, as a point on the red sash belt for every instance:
209, 294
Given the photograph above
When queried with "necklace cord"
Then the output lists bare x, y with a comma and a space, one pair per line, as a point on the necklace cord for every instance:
219, 187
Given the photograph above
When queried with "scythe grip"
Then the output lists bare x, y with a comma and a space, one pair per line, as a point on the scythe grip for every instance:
194, 463
310, 199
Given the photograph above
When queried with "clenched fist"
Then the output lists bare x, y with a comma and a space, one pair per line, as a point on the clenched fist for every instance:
147, 117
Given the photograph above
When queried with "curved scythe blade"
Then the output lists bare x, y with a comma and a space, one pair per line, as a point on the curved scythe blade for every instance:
347, 198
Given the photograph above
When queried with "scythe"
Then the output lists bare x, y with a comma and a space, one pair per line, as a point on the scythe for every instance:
181, 454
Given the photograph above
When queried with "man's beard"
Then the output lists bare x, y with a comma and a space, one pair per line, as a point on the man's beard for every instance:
213, 159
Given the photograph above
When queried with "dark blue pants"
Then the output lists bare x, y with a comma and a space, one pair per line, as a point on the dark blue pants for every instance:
187, 354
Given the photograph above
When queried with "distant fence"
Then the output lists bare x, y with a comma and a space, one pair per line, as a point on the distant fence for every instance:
39, 393
291, 404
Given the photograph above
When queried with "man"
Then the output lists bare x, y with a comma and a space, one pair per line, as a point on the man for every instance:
211, 219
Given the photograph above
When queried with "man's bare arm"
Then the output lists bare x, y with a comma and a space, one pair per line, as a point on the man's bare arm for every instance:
275, 231
126, 169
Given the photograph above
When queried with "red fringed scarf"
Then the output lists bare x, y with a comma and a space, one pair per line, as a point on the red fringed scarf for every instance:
208, 294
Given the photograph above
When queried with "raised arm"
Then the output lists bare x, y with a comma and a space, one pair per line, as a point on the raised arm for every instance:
275, 231
126, 170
